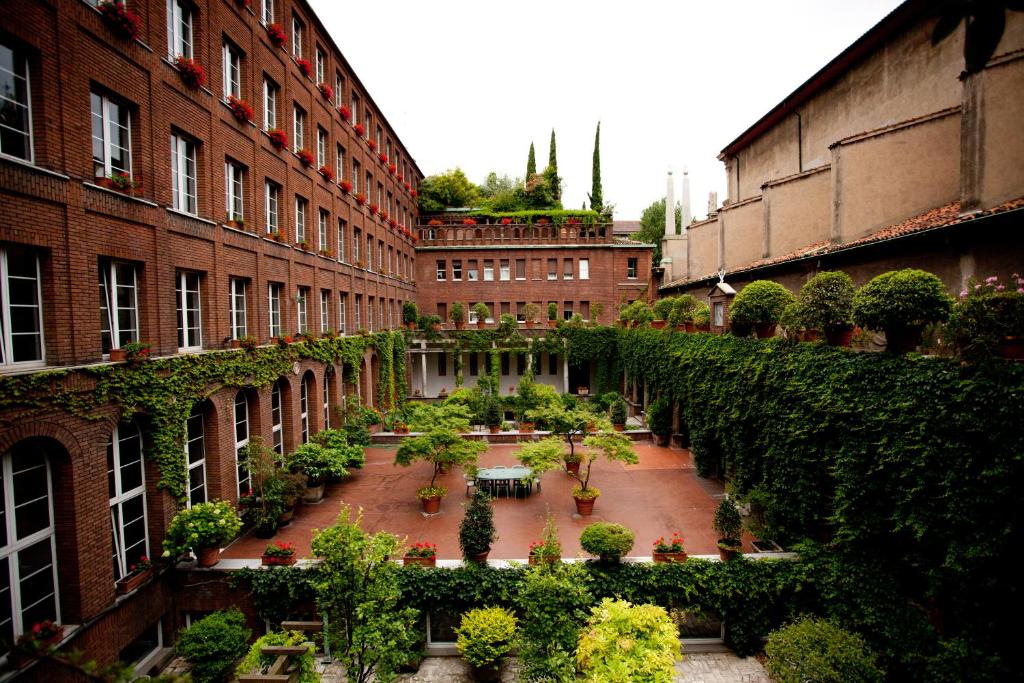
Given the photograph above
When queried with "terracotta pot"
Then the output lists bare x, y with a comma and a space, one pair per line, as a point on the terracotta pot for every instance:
480, 558
118, 355
619, 427
840, 337
494, 430
529, 324
552, 323
411, 326
208, 557
236, 344
432, 505
573, 467
127, 585
401, 429
664, 558
313, 494
726, 554
1012, 348
436, 327
811, 335
690, 327
278, 561
421, 561
902, 339
658, 324
526, 427
765, 330
285, 517
585, 508
481, 324
460, 325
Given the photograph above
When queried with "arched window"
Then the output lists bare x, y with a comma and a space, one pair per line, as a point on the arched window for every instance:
241, 441
28, 572
304, 408
126, 486
195, 455
276, 423
327, 398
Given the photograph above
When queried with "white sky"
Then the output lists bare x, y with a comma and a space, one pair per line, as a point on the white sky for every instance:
470, 84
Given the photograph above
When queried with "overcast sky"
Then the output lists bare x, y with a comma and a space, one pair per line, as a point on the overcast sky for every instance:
471, 84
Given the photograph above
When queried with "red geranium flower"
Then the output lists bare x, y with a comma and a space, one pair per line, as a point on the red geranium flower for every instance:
277, 35
345, 186
326, 91
372, 144
278, 138
241, 109
305, 67
327, 173
191, 72
305, 156
360, 129
346, 113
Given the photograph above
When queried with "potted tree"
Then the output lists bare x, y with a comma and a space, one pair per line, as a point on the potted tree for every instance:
659, 420
202, 528
476, 531
457, 314
549, 548
273, 488
679, 318
552, 314
526, 401
827, 301
901, 303
530, 313
794, 323
670, 550
618, 414
482, 314
410, 314
759, 305
442, 448
662, 311
701, 317
485, 635
420, 553
728, 524
318, 463
492, 414
608, 541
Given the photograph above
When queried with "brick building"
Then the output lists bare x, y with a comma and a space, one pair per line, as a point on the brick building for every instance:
224, 236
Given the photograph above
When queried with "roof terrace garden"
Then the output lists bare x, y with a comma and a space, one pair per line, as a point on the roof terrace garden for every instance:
521, 227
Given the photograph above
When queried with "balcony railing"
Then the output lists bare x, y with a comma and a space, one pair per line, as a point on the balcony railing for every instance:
450, 234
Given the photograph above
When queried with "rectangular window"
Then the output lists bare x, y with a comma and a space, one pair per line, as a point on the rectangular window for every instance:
552, 269
370, 302
380, 134
267, 12
342, 229
270, 199
233, 183
520, 364
342, 313
126, 489
357, 240
296, 37
520, 269
183, 174
585, 310
21, 309
339, 91
584, 268
319, 63
16, 120
719, 314
504, 269
369, 252
631, 269
488, 270
442, 271
237, 308
355, 108
520, 315
232, 58
274, 308
300, 219
298, 127
179, 29
339, 162
442, 364
505, 363
301, 317
474, 365
119, 306
457, 271
324, 222
552, 364
111, 134
567, 269
195, 455
321, 147
567, 310
391, 261
471, 271
356, 170
325, 310
358, 312
269, 104
506, 308
190, 326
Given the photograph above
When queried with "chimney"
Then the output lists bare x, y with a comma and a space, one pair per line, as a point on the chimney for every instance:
687, 214
712, 204
670, 207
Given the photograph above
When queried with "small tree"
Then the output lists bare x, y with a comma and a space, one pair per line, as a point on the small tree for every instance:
546, 454
410, 314
618, 411
443, 448
663, 307
457, 313
485, 635
553, 602
357, 589
482, 311
728, 524
623, 642
319, 462
817, 650
827, 301
606, 540
476, 531
760, 303
901, 302
552, 310
530, 312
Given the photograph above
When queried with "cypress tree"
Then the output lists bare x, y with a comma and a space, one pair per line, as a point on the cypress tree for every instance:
531, 164
556, 191
596, 195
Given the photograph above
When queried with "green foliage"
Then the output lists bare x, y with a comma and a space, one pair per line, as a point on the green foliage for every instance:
637, 312
204, 525
476, 531
985, 314
659, 417
338, 439
410, 314
492, 412
762, 301
701, 314
451, 189
625, 643
618, 410
827, 300
442, 448
481, 310
552, 310
213, 644
596, 195
486, 635
370, 631
606, 540
272, 488
663, 307
901, 299
652, 227
727, 522
817, 650
278, 593
531, 162
795, 318
318, 462
457, 312
255, 662
530, 312
553, 602
424, 417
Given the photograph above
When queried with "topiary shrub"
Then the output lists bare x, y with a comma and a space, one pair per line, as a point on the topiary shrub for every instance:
901, 303
794, 319
618, 411
986, 315
410, 314
701, 315
682, 310
492, 412
552, 310
482, 312
817, 650
827, 300
338, 439
255, 662
663, 307
728, 524
318, 462
636, 313
213, 644
760, 303
457, 313
476, 531
659, 417
624, 642
486, 635
606, 540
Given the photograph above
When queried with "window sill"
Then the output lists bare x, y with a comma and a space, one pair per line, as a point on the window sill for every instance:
240, 231
192, 216
121, 195
29, 165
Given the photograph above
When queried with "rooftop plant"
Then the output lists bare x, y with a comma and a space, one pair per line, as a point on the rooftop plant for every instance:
606, 540
827, 300
901, 303
204, 525
442, 448
760, 303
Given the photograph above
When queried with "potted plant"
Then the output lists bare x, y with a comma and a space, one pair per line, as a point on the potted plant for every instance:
327, 173
410, 314
305, 157
122, 20
728, 524
192, 74
318, 463
237, 221
552, 314
345, 113
680, 315
279, 553
457, 314
670, 550
305, 67
485, 635
137, 352
278, 138
662, 310
701, 317
988, 319
659, 420
442, 448
360, 198
901, 303
430, 323
476, 531
492, 414
549, 548
618, 412
240, 109
360, 129
794, 322
759, 305
276, 34
530, 313
138, 574
272, 488
345, 186
204, 527
421, 553
482, 314
326, 91
120, 182
35, 643
606, 540
827, 300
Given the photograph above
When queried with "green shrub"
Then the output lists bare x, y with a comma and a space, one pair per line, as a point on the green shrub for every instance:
985, 314
818, 650
637, 313
554, 603
701, 314
318, 462
256, 663
410, 313
624, 643
486, 635
827, 300
339, 439
552, 310
457, 313
357, 435
794, 318
482, 311
659, 417
663, 307
606, 540
204, 525
728, 523
682, 310
618, 411
476, 531
424, 417
492, 412
213, 644
760, 302
901, 299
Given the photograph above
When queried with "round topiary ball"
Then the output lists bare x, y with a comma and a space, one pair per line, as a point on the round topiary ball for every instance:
905, 298
606, 540
828, 301
760, 302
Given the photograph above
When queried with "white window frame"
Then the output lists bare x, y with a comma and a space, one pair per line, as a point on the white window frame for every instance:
569, 275
267, 12
632, 268
20, 59
179, 30
457, 270
339, 161
109, 286
234, 188
504, 270
325, 310
301, 308
197, 414
357, 313
525, 266
342, 305
442, 270
321, 147
231, 58
6, 332
369, 314
304, 408
109, 120
274, 308
183, 175
241, 465
276, 420
553, 274
324, 219
300, 219
584, 268
342, 226
319, 65
327, 399
190, 336
297, 27
237, 309
121, 497
298, 127
472, 271
339, 89
269, 104
272, 194
489, 270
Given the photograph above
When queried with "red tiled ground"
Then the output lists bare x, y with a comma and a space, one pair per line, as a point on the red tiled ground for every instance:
659, 495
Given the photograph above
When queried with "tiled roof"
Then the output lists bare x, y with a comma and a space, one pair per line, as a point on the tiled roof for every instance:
619, 227
939, 217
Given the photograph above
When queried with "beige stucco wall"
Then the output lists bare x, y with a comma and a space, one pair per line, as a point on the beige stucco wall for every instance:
799, 211
703, 246
1002, 141
674, 247
885, 178
743, 227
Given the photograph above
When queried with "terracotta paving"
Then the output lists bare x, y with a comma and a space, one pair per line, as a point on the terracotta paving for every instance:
659, 495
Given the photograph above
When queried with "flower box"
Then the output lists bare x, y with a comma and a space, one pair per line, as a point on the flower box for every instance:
360, 129
663, 558
326, 91
383, 157
345, 186
327, 173
241, 109
277, 561
306, 157
276, 34
392, 168
360, 198
121, 20
278, 138
421, 561
305, 67
372, 144
345, 113
133, 581
192, 74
